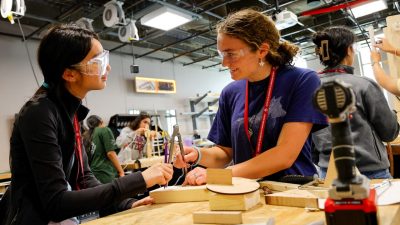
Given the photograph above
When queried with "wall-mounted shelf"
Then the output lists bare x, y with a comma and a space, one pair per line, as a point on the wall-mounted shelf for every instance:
209, 99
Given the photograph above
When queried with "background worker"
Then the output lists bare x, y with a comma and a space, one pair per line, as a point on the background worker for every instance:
389, 83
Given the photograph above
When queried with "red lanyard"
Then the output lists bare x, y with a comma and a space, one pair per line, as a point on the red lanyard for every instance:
333, 71
265, 112
78, 148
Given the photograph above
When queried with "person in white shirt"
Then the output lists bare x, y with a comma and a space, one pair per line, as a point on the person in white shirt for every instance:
133, 138
389, 83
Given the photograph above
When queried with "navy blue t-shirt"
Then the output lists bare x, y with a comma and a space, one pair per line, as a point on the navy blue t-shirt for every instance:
291, 102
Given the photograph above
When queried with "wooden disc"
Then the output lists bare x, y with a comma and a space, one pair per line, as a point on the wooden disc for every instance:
239, 186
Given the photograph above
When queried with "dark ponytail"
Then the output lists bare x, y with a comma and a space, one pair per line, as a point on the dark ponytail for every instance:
332, 44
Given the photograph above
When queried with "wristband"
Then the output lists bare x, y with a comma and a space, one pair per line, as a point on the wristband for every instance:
198, 155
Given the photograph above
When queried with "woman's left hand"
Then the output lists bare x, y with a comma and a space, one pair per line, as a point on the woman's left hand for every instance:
197, 176
384, 45
145, 201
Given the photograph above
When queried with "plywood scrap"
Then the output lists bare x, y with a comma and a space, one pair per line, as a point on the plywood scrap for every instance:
278, 186
180, 194
296, 198
239, 186
219, 176
218, 217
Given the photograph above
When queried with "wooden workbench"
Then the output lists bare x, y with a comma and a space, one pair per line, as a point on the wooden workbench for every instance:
4, 182
145, 163
181, 214
5, 176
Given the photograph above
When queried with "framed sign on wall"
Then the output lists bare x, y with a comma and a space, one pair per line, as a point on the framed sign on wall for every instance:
153, 85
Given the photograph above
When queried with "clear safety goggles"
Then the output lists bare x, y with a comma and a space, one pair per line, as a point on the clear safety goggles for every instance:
95, 66
233, 55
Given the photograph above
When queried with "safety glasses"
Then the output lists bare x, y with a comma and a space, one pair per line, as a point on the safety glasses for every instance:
96, 66
233, 55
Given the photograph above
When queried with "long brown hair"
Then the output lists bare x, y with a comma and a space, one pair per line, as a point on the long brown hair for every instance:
255, 28
134, 125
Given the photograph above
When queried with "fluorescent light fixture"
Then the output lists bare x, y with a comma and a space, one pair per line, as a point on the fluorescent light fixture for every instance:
368, 8
165, 18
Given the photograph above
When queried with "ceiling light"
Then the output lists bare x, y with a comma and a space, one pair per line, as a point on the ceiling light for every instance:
165, 18
368, 8
285, 19
313, 3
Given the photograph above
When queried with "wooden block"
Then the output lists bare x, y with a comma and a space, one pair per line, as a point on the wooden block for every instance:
239, 185
233, 202
219, 217
147, 162
2, 189
144, 163
180, 194
219, 176
5, 176
296, 198
278, 186
331, 173
319, 193
3, 186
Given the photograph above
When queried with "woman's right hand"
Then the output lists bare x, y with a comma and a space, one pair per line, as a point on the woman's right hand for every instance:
190, 156
159, 173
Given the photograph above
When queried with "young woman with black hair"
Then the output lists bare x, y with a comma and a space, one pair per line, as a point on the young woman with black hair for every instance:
51, 180
372, 123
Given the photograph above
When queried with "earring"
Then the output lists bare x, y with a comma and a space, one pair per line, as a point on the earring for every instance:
261, 62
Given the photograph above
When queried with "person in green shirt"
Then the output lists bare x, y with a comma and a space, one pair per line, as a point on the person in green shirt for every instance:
101, 150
